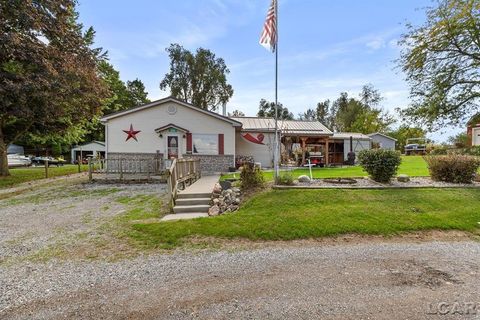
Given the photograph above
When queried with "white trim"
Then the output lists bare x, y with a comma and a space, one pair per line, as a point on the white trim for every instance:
179, 145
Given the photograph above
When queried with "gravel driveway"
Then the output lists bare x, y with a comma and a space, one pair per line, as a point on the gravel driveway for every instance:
363, 281
56, 263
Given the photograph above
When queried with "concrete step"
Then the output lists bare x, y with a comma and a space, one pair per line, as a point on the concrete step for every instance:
184, 216
195, 208
181, 195
192, 201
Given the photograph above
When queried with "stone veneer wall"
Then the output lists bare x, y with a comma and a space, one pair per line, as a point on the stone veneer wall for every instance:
213, 163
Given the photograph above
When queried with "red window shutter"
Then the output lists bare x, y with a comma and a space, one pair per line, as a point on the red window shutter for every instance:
189, 142
220, 143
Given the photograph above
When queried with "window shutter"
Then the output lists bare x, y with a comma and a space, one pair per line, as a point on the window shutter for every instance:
220, 143
189, 142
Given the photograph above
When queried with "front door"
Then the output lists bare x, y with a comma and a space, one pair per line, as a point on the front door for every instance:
172, 146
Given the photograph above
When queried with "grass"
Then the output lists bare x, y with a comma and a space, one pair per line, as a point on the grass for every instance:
414, 166
277, 215
20, 175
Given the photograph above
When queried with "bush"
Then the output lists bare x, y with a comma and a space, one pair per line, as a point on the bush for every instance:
473, 151
439, 151
453, 168
380, 164
285, 179
251, 176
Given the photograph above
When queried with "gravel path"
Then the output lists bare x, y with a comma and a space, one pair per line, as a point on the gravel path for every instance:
343, 281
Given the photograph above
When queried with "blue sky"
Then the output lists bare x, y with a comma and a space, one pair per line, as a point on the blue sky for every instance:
325, 46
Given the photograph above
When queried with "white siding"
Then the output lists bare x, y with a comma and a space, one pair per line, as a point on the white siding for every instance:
358, 145
262, 153
384, 142
476, 136
147, 120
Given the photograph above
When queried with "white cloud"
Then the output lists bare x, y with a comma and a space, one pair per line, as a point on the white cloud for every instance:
376, 44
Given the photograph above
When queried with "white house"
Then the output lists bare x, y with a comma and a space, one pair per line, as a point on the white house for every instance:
383, 141
170, 128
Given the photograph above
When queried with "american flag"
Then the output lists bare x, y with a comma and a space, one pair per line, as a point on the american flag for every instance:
268, 38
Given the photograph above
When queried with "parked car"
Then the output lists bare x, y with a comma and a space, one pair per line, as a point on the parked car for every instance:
18, 160
40, 161
416, 146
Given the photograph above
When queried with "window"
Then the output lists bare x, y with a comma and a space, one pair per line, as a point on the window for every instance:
205, 143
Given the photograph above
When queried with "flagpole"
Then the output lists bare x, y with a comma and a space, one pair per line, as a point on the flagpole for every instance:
276, 142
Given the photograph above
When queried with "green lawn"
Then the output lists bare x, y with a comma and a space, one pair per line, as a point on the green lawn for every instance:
414, 166
19, 175
294, 214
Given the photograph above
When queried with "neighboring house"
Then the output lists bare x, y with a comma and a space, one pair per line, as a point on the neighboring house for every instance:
383, 141
93, 148
473, 131
170, 128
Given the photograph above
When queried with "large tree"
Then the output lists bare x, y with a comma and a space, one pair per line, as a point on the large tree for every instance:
267, 110
404, 132
199, 78
441, 60
360, 115
48, 71
122, 96
309, 115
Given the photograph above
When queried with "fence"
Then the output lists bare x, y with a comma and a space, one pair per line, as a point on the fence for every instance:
127, 169
181, 173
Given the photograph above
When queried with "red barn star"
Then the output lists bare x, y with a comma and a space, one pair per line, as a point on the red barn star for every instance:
131, 133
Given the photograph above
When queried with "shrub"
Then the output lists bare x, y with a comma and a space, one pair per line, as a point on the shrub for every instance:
474, 151
453, 168
380, 164
251, 176
285, 179
439, 151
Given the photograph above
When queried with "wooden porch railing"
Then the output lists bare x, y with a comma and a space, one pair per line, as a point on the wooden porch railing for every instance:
182, 172
126, 169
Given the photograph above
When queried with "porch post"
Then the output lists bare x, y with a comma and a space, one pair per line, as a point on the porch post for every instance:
326, 151
304, 140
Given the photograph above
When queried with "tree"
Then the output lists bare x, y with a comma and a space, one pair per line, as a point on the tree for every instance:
360, 115
441, 60
459, 141
121, 97
236, 113
324, 114
200, 78
309, 115
267, 109
136, 93
48, 71
405, 132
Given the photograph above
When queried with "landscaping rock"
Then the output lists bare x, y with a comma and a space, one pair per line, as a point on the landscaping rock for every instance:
304, 178
403, 178
227, 200
225, 185
214, 211
217, 188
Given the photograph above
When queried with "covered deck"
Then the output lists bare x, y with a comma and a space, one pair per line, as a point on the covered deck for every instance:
322, 150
